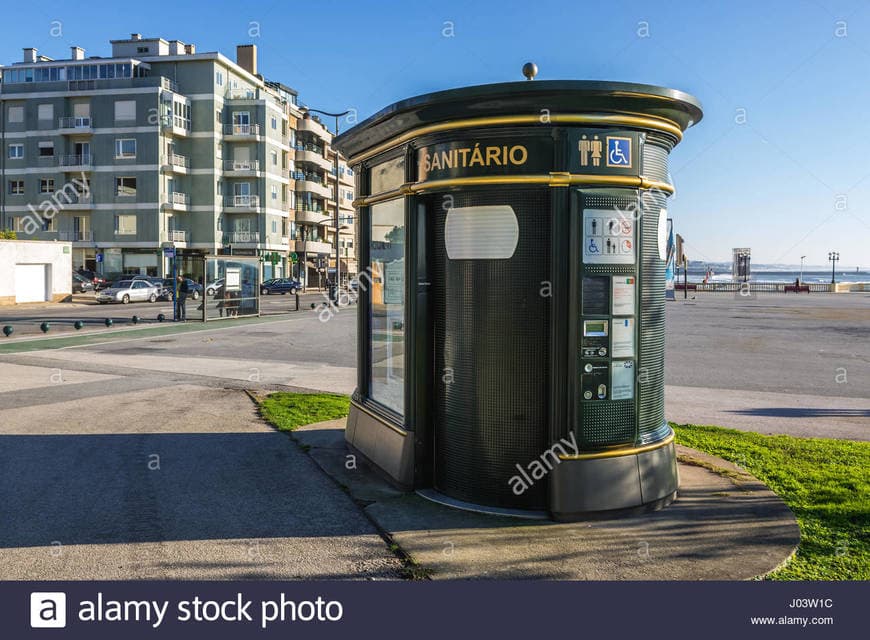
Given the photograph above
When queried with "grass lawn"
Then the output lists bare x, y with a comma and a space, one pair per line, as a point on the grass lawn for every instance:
826, 483
288, 411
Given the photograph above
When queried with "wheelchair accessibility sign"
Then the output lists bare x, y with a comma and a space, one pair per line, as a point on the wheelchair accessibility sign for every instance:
618, 152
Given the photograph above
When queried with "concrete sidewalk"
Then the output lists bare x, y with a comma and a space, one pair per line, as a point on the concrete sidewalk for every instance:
725, 525
106, 477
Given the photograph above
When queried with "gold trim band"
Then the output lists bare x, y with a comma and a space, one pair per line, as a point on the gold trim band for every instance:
616, 453
555, 179
599, 119
380, 419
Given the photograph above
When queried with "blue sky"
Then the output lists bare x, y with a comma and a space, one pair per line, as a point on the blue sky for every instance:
792, 180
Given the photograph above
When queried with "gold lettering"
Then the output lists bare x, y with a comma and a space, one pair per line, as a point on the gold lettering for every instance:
476, 156
464, 153
522, 150
492, 156
446, 160
436, 162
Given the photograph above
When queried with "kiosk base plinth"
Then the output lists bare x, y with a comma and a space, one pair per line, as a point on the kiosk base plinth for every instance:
642, 481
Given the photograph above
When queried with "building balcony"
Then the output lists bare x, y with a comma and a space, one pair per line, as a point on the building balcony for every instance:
176, 200
241, 168
175, 126
76, 163
75, 125
311, 125
313, 246
317, 188
241, 203
176, 237
242, 237
176, 163
346, 178
75, 236
312, 217
76, 201
241, 94
242, 132
314, 157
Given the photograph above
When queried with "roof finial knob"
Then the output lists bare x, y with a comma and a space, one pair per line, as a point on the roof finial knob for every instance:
530, 70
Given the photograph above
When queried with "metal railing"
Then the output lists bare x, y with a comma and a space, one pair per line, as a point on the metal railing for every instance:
241, 237
76, 236
177, 197
752, 287
242, 129
169, 84
175, 235
175, 160
74, 122
75, 161
242, 165
242, 201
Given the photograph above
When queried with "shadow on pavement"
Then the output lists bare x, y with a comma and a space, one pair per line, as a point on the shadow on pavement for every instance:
89, 489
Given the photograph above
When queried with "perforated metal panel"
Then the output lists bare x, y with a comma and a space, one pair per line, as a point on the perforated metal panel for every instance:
491, 337
608, 423
651, 364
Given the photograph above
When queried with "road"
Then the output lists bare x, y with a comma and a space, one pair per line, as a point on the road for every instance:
796, 364
25, 319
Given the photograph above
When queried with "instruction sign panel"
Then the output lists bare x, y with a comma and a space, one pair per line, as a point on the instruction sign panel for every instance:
622, 380
622, 335
394, 282
623, 295
614, 152
608, 237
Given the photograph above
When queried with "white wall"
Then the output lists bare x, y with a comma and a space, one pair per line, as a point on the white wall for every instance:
14, 252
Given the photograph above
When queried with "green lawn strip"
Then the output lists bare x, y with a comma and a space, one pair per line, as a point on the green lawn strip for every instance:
288, 411
824, 482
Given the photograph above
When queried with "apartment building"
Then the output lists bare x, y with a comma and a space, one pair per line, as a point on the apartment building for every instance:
157, 146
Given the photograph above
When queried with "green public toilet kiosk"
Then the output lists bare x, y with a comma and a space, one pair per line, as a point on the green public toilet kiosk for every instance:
511, 313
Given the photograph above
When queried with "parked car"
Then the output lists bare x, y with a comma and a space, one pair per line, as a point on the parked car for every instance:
96, 279
80, 284
280, 285
167, 288
125, 291
215, 286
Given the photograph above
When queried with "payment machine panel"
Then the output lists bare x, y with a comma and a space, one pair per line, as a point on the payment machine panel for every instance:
607, 300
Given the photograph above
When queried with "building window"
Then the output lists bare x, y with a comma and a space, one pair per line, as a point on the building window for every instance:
181, 115
274, 123
274, 226
15, 114
125, 148
218, 117
46, 112
16, 151
274, 192
48, 224
19, 224
125, 225
125, 110
275, 158
142, 49
219, 78
46, 149
46, 185
16, 187
125, 186
220, 188
386, 332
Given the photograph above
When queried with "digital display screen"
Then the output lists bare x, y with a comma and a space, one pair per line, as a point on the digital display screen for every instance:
595, 327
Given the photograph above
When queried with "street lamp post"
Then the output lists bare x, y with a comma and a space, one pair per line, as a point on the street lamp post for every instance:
337, 250
801, 278
833, 256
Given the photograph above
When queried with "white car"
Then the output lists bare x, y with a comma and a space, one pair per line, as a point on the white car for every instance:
126, 291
